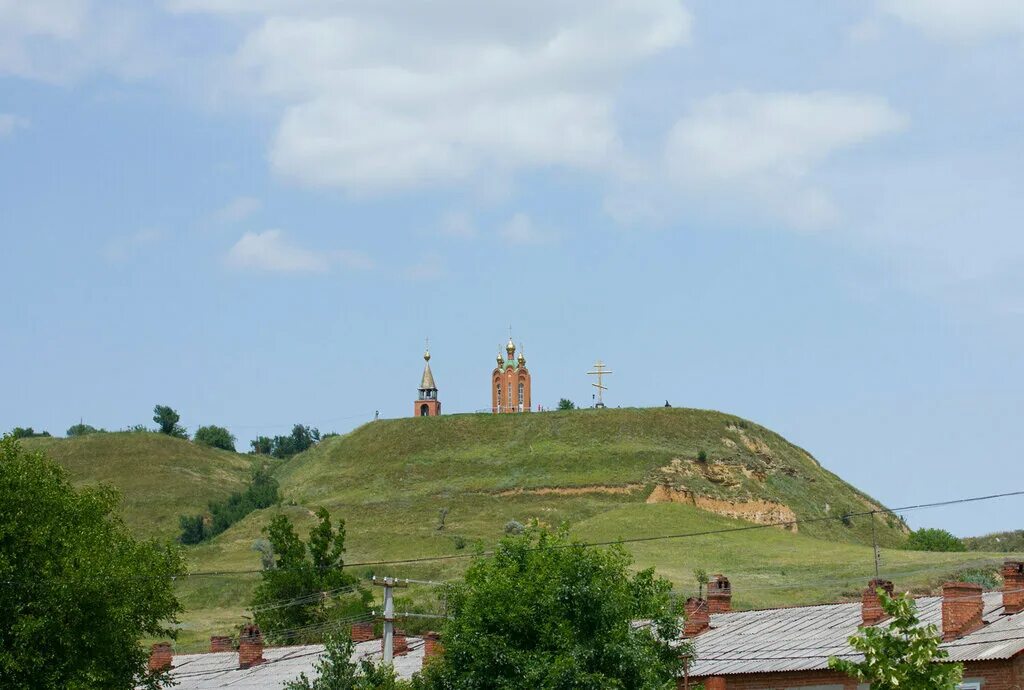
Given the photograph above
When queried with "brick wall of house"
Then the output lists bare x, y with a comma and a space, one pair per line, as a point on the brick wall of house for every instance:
996, 675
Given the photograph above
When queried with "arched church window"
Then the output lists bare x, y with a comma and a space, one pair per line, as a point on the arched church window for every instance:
521, 394
424, 411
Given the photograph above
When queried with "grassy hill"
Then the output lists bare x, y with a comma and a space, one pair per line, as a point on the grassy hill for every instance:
607, 474
159, 477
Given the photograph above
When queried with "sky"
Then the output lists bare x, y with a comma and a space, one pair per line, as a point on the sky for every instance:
256, 211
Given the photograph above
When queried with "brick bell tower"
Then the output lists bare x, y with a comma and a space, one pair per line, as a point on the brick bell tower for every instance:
510, 382
427, 405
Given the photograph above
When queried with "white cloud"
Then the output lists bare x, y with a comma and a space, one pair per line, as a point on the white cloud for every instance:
764, 147
458, 224
238, 209
521, 229
120, 249
430, 267
960, 20
270, 251
390, 94
58, 40
9, 123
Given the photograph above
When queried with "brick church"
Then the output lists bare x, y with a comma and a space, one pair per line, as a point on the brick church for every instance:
510, 385
510, 382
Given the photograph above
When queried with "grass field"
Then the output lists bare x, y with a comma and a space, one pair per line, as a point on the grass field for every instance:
159, 477
591, 470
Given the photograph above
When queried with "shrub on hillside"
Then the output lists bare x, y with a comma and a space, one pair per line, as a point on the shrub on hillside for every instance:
192, 529
83, 430
514, 527
566, 404
28, 432
931, 539
262, 492
1000, 541
215, 436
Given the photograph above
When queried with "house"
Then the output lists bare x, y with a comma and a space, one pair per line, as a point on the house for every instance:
254, 666
778, 649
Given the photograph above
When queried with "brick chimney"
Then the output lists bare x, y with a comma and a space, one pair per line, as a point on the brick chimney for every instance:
719, 594
1013, 587
250, 646
962, 607
697, 617
431, 645
871, 612
221, 643
362, 632
399, 642
160, 657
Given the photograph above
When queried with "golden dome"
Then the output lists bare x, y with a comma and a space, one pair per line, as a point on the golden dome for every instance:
510, 348
522, 357
426, 355
501, 360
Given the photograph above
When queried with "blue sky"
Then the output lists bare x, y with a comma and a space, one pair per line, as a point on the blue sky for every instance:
805, 213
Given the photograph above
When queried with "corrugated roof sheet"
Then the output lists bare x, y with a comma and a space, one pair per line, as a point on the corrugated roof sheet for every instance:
803, 638
284, 664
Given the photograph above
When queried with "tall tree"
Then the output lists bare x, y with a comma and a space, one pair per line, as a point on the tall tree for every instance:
302, 572
901, 655
549, 612
167, 421
79, 592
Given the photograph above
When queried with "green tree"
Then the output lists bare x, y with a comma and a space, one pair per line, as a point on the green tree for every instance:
167, 421
215, 436
302, 438
28, 432
549, 612
566, 404
79, 592
337, 671
82, 430
262, 445
301, 572
901, 655
933, 539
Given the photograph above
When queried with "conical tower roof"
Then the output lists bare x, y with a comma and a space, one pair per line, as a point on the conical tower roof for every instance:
427, 383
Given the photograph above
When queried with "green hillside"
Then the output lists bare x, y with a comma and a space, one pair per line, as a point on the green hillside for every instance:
607, 474
159, 477
613, 456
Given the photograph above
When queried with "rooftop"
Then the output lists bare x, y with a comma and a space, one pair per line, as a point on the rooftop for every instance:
283, 665
803, 638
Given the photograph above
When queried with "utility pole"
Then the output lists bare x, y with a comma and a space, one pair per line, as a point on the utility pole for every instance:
874, 544
389, 584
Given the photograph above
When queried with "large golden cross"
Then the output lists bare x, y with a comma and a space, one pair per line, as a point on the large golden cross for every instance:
600, 372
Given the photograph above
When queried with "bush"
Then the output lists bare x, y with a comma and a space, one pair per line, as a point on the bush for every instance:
566, 404
28, 432
192, 529
83, 430
261, 493
215, 437
514, 527
262, 445
931, 539
702, 455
